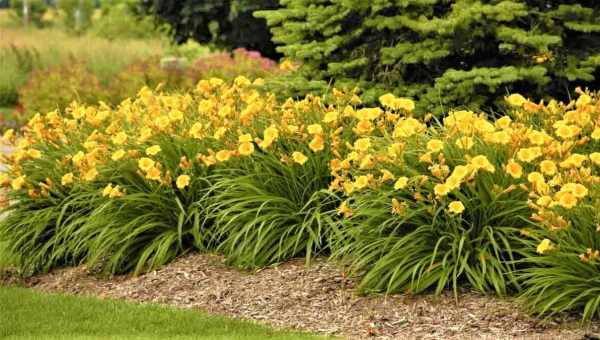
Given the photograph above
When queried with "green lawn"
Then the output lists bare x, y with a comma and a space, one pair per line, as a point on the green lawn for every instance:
26, 314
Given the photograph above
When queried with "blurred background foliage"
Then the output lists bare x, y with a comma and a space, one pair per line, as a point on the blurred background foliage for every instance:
445, 55
56, 52
226, 24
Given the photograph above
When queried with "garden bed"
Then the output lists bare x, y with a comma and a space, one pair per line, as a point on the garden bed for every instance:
316, 298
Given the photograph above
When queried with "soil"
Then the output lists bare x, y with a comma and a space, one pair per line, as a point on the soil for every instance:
317, 298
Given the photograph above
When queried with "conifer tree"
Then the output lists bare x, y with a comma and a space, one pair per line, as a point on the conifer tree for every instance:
445, 53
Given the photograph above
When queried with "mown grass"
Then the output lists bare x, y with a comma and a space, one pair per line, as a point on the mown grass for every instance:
25, 314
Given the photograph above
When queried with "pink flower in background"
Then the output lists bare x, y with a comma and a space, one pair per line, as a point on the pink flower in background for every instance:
239, 62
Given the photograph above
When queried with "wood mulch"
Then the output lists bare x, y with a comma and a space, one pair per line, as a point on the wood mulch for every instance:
316, 298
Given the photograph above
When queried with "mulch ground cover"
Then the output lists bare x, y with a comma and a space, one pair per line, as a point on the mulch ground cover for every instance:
318, 298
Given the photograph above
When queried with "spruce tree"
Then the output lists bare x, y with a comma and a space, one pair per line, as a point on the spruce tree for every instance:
445, 53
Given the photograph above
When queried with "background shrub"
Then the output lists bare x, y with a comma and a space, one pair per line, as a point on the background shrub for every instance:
227, 24
122, 19
147, 72
16, 63
37, 8
89, 81
446, 54
190, 50
10, 79
229, 65
59, 86
11, 117
77, 14
177, 74
22, 51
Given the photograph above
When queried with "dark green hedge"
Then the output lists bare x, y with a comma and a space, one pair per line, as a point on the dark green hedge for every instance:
228, 24
36, 10
444, 53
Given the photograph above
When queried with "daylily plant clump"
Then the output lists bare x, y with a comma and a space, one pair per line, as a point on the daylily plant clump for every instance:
507, 204
503, 204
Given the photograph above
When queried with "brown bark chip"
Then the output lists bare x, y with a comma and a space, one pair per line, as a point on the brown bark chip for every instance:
316, 298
